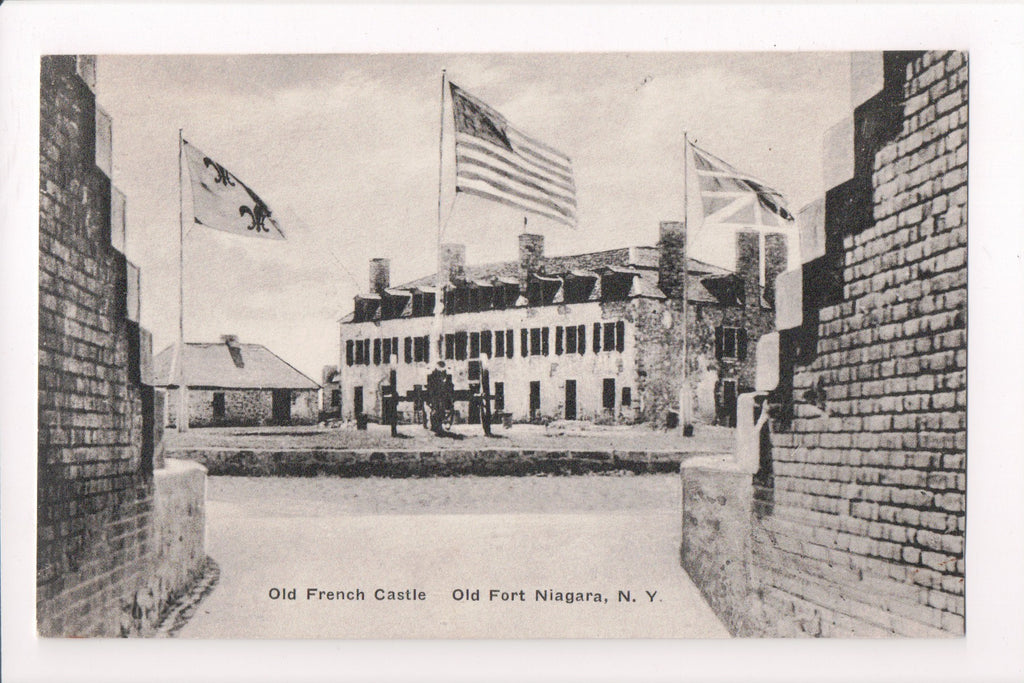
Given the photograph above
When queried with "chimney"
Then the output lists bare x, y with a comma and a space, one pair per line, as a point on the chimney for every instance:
453, 262
776, 260
748, 266
531, 255
672, 259
231, 341
380, 275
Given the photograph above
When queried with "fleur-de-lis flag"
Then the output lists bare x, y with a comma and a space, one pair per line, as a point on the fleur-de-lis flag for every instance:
223, 202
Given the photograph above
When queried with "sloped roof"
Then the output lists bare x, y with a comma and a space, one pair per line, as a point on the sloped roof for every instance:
214, 365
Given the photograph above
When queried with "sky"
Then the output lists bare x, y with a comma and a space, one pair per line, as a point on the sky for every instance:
346, 152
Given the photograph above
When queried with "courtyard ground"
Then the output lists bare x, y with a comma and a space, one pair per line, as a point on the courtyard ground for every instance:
443, 538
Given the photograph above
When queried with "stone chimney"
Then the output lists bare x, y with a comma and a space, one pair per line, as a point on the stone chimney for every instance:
380, 275
776, 261
531, 255
453, 262
672, 259
748, 266
231, 341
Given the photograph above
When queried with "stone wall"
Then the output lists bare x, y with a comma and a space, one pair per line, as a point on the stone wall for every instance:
179, 517
242, 407
857, 525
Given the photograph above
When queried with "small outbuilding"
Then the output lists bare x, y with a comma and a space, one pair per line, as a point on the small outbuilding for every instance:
233, 384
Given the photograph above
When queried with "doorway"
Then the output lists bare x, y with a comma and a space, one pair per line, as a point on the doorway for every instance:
357, 402
729, 403
282, 406
534, 400
570, 399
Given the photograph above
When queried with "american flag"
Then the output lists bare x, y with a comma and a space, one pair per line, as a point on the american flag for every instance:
495, 161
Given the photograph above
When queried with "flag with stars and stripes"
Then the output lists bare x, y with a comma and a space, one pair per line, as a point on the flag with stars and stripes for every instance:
495, 161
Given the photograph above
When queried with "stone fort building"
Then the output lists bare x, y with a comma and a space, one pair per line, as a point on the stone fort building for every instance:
593, 336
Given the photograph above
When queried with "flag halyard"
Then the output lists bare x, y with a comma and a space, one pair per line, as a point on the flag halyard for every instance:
223, 202
495, 161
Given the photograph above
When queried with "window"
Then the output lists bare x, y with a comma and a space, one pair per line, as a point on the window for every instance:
218, 405
335, 398
485, 343
386, 352
608, 395
426, 349
535, 341
474, 344
349, 354
597, 337
461, 339
449, 347
559, 332
620, 336
499, 344
544, 337
524, 342
570, 339
627, 396
408, 350
509, 343
609, 337
581, 340
474, 371
730, 343
376, 351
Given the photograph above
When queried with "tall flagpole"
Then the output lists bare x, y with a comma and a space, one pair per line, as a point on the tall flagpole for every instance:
685, 419
182, 383
439, 296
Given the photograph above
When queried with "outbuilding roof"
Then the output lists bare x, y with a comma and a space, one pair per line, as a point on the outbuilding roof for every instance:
228, 366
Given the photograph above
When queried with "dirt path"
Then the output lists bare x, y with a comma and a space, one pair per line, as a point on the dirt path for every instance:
429, 539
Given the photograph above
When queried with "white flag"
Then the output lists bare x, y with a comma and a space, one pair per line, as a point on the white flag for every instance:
223, 202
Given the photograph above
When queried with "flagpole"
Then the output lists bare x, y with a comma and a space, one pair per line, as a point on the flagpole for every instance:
685, 419
182, 383
439, 296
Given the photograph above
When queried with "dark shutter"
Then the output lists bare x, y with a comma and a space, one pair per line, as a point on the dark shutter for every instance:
558, 340
376, 351
385, 354
524, 342
719, 337
597, 337
510, 343
620, 336
581, 339
349, 357
474, 344
741, 344
461, 342
408, 349
499, 344
545, 335
426, 349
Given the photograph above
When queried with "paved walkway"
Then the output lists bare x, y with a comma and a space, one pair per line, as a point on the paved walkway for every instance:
429, 538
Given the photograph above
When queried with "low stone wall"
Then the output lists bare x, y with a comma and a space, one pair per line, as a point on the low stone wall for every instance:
398, 463
716, 545
179, 529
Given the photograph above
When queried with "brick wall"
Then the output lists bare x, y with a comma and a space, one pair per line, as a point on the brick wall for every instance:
98, 439
858, 522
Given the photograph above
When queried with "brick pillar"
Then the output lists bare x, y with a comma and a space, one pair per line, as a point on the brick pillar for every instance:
672, 259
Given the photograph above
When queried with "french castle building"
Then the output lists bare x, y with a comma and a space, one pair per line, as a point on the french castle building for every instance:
596, 336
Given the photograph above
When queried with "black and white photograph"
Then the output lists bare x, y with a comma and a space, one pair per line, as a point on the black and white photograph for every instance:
447, 344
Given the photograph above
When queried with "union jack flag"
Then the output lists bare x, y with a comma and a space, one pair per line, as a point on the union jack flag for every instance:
732, 197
